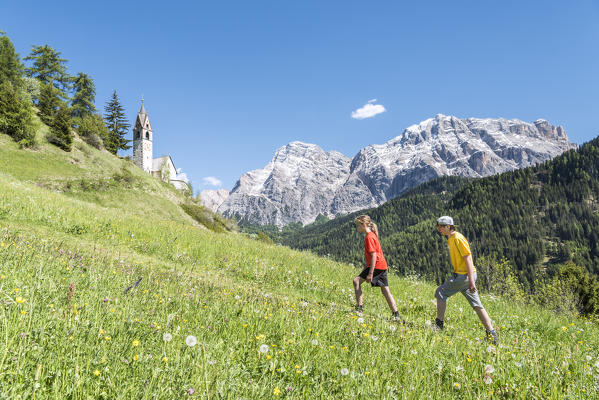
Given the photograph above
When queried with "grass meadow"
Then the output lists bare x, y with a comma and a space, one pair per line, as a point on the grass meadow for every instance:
107, 294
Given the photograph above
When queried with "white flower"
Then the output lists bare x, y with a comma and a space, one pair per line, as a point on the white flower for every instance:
489, 369
264, 348
491, 349
518, 364
459, 368
597, 364
414, 352
237, 297
191, 340
456, 386
167, 337
314, 342
360, 320
392, 328
589, 358
488, 379
344, 371
374, 337
427, 323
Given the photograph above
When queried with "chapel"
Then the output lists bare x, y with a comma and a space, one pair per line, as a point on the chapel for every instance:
161, 167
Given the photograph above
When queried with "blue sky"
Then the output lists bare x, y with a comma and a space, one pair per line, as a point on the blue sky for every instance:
226, 83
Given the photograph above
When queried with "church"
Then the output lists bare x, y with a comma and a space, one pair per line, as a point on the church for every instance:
162, 167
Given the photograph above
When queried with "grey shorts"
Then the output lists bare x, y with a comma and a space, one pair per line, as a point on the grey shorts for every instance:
458, 283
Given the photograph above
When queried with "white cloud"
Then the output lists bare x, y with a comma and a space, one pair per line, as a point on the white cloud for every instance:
369, 110
212, 181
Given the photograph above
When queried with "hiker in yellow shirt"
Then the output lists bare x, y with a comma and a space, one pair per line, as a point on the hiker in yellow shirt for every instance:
463, 279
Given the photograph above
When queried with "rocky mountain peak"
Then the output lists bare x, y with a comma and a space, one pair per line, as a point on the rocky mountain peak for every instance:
303, 181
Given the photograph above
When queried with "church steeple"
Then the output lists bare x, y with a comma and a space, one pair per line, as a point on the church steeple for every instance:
142, 140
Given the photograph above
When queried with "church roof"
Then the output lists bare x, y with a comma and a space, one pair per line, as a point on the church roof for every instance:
142, 115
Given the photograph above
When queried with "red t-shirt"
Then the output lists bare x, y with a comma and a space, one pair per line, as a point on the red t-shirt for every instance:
372, 245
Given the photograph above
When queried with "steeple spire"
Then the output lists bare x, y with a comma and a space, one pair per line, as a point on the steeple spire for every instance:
143, 110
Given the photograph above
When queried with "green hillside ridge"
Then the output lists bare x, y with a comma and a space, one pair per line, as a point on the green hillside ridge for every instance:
103, 288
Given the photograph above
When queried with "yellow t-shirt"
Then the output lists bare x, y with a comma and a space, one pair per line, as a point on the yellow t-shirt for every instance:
458, 248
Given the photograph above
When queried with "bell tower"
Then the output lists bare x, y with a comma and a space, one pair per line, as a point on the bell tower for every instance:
142, 140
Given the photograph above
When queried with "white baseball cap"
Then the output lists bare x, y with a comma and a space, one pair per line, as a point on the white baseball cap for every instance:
445, 220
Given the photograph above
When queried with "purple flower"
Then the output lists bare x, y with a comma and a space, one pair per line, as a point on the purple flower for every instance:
23, 334
190, 391
289, 388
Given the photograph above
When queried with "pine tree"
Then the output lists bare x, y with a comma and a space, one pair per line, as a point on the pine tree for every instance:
16, 114
117, 125
48, 103
11, 69
60, 129
82, 104
49, 68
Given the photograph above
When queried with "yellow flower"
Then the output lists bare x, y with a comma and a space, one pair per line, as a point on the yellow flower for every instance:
20, 300
107, 338
244, 325
102, 331
2, 276
366, 373
165, 359
103, 360
23, 312
135, 357
70, 337
96, 372
268, 357
276, 391
135, 343
17, 290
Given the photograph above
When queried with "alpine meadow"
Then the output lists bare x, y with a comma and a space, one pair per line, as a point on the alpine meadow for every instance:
116, 285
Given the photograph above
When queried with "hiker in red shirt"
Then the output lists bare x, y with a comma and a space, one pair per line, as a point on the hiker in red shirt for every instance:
375, 272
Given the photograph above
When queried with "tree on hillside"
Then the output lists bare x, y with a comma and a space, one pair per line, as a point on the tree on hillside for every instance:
16, 115
84, 97
117, 125
92, 130
49, 68
48, 103
60, 129
11, 69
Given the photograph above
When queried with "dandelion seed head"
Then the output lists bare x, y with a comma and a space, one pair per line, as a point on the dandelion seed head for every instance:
344, 371
264, 348
191, 341
167, 337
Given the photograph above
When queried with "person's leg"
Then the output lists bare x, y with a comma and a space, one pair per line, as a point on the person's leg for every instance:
358, 289
441, 307
484, 318
389, 297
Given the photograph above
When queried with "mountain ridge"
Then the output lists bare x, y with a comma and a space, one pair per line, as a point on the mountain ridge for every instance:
302, 181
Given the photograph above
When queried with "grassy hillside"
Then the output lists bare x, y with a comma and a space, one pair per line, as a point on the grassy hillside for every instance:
107, 294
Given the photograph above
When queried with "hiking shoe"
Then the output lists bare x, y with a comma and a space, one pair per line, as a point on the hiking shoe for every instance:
395, 316
359, 309
492, 337
438, 324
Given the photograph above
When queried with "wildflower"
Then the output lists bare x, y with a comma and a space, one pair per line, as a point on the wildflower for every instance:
489, 369
375, 338
518, 364
191, 340
491, 349
268, 357
107, 338
103, 360
212, 362
23, 312
456, 386
135, 343
360, 320
20, 300
264, 348
392, 328
289, 388
167, 337
414, 352
459, 368
136, 357
96, 372
488, 379
190, 391
428, 324
314, 342
165, 359
344, 371
276, 391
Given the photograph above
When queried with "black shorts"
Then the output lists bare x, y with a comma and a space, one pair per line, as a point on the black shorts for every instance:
379, 276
